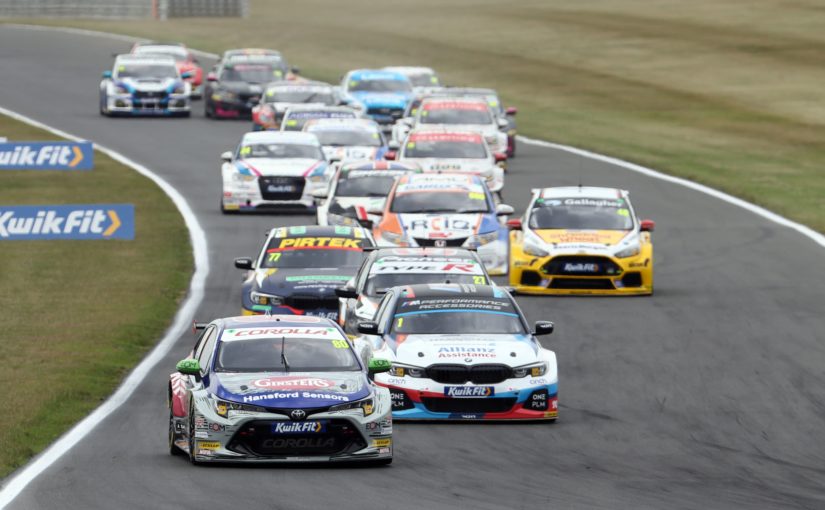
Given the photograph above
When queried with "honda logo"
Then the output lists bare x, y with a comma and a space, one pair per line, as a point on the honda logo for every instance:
298, 415
440, 243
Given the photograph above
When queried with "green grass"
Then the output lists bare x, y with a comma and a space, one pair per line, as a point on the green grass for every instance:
78, 315
725, 92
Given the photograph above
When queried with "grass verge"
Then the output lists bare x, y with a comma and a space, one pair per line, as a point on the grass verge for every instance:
78, 315
723, 92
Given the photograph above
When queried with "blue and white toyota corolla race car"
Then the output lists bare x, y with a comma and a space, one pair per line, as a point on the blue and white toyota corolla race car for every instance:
144, 85
278, 389
462, 352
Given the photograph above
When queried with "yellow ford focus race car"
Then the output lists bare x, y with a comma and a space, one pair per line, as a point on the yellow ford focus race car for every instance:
581, 240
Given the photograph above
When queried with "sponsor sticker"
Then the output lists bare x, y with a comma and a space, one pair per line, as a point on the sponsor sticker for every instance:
381, 442
299, 427
293, 383
46, 156
469, 391
85, 221
208, 445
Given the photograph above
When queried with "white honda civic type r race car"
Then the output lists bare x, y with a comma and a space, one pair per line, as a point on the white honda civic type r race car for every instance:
273, 169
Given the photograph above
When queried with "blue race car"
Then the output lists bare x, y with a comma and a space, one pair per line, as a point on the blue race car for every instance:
145, 85
299, 268
383, 94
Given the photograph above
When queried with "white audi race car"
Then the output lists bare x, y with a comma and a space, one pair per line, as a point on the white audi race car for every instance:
273, 169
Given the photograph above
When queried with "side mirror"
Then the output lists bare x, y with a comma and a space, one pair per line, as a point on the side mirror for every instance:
346, 293
511, 110
377, 365
500, 157
319, 193
647, 225
408, 121
368, 328
514, 224
367, 224
243, 263
189, 366
502, 123
504, 210
544, 328
373, 209
211, 77
394, 145
186, 74
107, 74
226, 156
295, 70
390, 155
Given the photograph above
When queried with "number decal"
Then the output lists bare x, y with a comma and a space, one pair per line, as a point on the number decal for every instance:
273, 257
479, 280
340, 344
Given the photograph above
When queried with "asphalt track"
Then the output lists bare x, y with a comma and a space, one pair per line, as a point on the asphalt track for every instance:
710, 394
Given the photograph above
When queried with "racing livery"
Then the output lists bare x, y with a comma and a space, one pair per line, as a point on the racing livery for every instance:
299, 268
296, 116
452, 151
445, 211
422, 78
581, 240
383, 94
278, 389
144, 85
280, 95
184, 60
390, 267
357, 187
348, 139
462, 352
273, 169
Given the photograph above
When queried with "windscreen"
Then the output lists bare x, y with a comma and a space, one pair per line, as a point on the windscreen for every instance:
581, 214
280, 150
300, 355
454, 315
378, 284
313, 252
156, 71
347, 137
378, 185
455, 116
459, 201
445, 149
379, 86
295, 121
250, 73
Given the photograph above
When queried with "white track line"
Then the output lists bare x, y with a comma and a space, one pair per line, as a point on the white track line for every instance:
181, 324
755, 209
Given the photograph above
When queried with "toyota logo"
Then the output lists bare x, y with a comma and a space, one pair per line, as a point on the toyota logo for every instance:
298, 415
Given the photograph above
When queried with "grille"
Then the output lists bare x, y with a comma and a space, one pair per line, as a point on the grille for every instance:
632, 280
530, 278
257, 438
460, 374
281, 188
312, 302
448, 243
149, 95
468, 405
582, 283
582, 266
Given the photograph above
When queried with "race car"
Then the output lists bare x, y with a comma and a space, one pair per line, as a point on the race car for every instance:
356, 187
401, 128
390, 267
502, 112
271, 170
348, 139
273, 56
581, 240
278, 389
184, 60
296, 116
144, 85
299, 268
460, 114
383, 94
280, 95
454, 151
236, 85
445, 211
420, 77
462, 352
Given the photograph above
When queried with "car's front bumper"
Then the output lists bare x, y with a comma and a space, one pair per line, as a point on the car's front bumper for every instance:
126, 104
246, 196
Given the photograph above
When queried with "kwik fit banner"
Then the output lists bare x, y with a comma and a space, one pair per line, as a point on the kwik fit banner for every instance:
46, 156
89, 221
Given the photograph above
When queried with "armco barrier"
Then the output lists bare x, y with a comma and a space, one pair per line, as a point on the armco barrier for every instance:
122, 9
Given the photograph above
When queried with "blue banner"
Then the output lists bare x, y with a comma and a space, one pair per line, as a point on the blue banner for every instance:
46, 156
87, 221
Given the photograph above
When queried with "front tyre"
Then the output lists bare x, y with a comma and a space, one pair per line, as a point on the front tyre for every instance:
173, 450
191, 436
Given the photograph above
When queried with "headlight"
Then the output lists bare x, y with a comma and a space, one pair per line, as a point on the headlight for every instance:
628, 252
237, 176
121, 90
259, 298
367, 405
492, 140
339, 219
179, 89
396, 239
533, 370
222, 408
481, 239
531, 247
399, 370
317, 179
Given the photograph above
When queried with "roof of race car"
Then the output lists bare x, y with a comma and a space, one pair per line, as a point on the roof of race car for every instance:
296, 137
266, 326
409, 70
320, 231
298, 108
379, 165
251, 51
452, 290
147, 58
439, 133
461, 102
376, 74
297, 86
582, 191
428, 182
159, 47
355, 124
